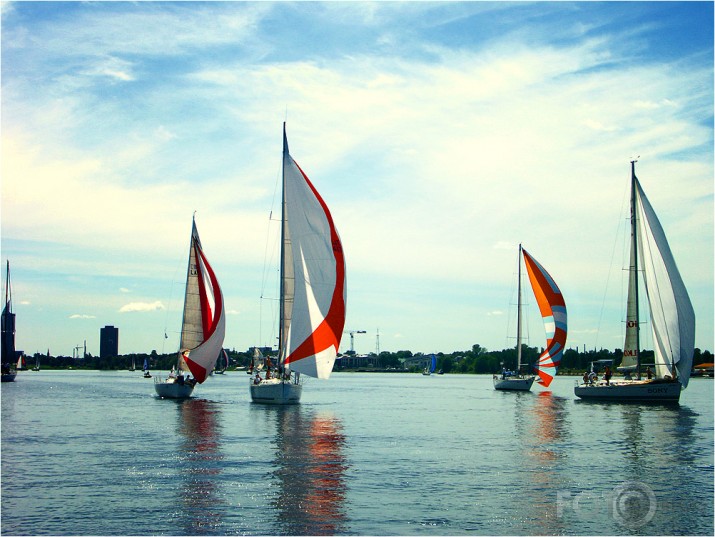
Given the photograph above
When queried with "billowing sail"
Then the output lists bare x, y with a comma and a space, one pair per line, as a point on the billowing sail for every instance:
313, 267
433, 364
553, 311
204, 322
671, 312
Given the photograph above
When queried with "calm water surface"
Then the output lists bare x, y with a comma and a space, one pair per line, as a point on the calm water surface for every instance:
96, 453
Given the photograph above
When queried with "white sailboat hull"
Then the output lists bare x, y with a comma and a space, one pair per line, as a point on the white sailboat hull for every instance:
513, 384
173, 390
653, 390
276, 392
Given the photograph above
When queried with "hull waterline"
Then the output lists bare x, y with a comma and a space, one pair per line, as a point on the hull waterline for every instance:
513, 384
668, 391
276, 393
173, 390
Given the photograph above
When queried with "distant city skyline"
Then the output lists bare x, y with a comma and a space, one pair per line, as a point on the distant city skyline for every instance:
441, 135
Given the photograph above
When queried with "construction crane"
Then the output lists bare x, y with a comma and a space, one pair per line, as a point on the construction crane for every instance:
352, 338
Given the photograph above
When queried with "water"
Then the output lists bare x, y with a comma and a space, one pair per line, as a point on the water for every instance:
95, 453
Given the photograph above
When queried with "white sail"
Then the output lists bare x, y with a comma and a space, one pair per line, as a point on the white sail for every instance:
671, 312
313, 287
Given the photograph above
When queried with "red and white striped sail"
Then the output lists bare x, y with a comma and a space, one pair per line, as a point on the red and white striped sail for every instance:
553, 311
204, 322
313, 294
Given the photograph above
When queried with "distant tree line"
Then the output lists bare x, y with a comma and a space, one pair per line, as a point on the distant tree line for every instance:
475, 360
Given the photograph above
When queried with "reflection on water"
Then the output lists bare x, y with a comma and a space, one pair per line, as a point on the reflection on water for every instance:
547, 427
311, 472
200, 462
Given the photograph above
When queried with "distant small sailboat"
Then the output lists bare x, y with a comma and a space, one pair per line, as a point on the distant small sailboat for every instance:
9, 368
671, 314
312, 290
257, 361
133, 367
37, 363
553, 312
202, 329
147, 375
221, 363
433, 365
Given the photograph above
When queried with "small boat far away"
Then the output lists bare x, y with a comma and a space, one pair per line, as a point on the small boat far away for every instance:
433, 365
221, 363
312, 290
9, 355
202, 328
553, 312
671, 312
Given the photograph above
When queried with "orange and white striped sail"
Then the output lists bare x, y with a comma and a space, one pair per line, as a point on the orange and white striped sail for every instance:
313, 285
553, 311
204, 322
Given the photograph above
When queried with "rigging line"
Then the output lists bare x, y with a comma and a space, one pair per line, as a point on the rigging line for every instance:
268, 255
610, 265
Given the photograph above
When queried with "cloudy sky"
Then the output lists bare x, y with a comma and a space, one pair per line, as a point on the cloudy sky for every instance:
440, 134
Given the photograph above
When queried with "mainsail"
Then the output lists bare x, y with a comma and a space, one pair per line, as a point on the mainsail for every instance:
204, 322
553, 311
630, 346
671, 312
313, 287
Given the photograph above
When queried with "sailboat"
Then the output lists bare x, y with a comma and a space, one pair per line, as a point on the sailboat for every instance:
133, 367
222, 362
553, 312
202, 329
312, 290
147, 374
37, 363
9, 371
671, 314
433, 365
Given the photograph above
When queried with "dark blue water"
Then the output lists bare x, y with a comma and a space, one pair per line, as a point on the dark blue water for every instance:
95, 453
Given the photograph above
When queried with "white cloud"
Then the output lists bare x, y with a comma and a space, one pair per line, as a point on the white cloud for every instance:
82, 316
142, 306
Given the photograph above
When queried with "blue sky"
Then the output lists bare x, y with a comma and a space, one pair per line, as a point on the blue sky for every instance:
440, 134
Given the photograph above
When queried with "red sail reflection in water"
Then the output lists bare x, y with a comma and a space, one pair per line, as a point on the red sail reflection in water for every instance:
199, 466
311, 473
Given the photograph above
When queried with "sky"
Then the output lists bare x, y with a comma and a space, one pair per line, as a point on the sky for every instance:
441, 135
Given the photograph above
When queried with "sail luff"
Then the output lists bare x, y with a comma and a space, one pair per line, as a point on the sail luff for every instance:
553, 312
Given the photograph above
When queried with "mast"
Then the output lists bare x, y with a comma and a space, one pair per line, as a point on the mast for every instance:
634, 243
281, 316
518, 316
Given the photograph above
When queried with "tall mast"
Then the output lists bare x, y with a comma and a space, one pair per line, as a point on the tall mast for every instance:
281, 349
518, 316
8, 293
634, 242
